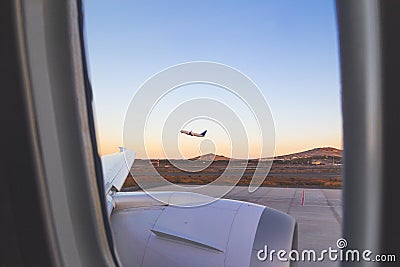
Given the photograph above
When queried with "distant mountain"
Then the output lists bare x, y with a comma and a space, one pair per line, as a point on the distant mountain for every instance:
321, 152
313, 153
210, 157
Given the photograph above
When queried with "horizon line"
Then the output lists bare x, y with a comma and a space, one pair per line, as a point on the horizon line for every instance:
221, 155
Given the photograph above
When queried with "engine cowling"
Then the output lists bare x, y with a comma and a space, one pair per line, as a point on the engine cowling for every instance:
222, 233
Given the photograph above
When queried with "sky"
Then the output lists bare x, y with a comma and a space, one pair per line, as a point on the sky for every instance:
289, 49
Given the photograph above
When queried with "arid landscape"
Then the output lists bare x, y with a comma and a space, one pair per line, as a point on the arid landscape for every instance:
315, 168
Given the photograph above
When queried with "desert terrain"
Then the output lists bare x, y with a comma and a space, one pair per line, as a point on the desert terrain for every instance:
315, 168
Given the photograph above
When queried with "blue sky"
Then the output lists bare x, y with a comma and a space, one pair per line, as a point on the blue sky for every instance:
288, 48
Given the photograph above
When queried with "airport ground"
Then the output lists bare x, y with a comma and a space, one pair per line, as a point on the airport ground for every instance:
318, 216
311, 194
279, 175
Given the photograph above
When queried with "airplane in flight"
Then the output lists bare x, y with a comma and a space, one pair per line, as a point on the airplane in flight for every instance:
191, 133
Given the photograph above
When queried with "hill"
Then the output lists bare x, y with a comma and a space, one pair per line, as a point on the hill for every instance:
210, 157
314, 153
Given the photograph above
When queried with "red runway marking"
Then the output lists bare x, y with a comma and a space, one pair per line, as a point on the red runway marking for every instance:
303, 194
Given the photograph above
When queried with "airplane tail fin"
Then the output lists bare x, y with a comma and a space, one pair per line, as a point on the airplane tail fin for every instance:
204, 133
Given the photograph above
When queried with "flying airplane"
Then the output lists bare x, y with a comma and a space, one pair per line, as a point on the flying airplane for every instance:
191, 133
148, 232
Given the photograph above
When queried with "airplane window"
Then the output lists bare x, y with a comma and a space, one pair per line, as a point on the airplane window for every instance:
215, 118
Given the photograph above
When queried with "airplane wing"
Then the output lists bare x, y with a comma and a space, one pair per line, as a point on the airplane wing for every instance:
222, 233
116, 168
225, 232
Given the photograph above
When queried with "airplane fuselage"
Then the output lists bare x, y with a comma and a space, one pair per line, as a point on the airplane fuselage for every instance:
191, 133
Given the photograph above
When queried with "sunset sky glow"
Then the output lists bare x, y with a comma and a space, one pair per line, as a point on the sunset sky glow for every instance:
288, 48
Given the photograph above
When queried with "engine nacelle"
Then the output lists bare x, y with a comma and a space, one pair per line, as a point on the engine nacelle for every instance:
223, 233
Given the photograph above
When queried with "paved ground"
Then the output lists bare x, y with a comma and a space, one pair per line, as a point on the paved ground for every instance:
319, 218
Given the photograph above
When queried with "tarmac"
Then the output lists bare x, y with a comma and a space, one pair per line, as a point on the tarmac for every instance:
318, 214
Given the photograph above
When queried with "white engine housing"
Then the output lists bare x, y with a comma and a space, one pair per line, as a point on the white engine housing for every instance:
222, 233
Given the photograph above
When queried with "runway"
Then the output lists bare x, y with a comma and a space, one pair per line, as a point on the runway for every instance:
319, 218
